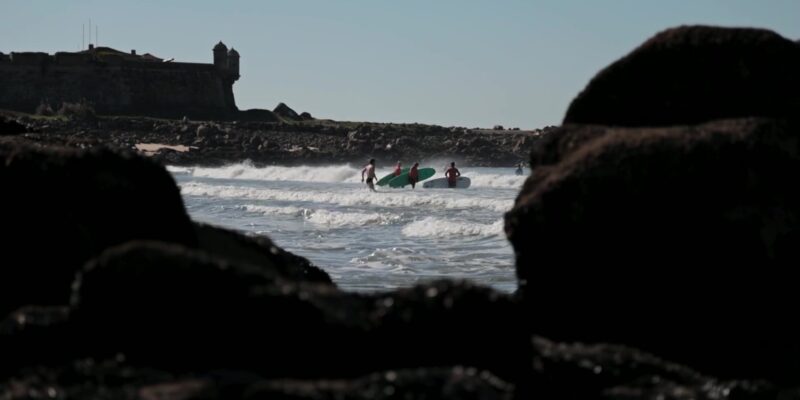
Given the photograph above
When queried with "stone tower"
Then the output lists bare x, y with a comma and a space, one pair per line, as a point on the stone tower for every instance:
233, 63
221, 56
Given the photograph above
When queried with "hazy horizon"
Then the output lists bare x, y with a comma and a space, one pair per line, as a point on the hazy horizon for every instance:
466, 63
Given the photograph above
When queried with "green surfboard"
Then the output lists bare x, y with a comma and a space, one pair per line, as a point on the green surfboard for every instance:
385, 180
402, 180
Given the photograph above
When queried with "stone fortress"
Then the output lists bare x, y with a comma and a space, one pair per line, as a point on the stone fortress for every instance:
120, 83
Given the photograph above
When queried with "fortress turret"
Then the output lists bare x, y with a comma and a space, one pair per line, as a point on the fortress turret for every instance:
233, 63
221, 56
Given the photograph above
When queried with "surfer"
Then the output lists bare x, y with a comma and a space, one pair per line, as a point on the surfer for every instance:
370, 171
519, 169
398, 169
452, 175
413, 175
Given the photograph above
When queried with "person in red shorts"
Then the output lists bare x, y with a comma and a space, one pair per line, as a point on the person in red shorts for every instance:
452, 175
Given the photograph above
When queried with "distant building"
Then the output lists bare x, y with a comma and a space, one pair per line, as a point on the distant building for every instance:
123, 83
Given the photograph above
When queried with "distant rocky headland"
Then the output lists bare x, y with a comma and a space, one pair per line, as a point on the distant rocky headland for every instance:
289, 139
656, 242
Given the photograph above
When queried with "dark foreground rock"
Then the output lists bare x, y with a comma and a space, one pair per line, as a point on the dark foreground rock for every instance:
114, 380
631, 194
11, 127
695, 74
174, 309
152, 321
62, 207
681, 239
260, 321
560, 371
595, 371
433, 383
677, 240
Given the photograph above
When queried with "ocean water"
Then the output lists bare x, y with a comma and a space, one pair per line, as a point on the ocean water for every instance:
366, 241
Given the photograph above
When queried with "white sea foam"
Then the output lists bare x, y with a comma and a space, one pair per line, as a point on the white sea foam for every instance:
350, 198
269, 210
495, 180
435, 227
179, 170
246, 170
327, 218
337, 219
366, 241
333, 173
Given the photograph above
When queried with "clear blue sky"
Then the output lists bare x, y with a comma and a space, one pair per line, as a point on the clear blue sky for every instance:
460, 62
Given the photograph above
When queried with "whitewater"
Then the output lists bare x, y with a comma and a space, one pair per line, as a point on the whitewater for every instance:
366, 241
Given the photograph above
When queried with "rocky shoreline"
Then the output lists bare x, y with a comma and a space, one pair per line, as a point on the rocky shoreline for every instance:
655, 249
285, 142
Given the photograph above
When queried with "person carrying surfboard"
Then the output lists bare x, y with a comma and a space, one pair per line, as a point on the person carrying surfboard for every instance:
452, 175
398, 169
369, 169
413, 175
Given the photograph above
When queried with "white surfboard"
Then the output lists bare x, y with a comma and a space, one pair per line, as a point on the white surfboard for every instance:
441, 183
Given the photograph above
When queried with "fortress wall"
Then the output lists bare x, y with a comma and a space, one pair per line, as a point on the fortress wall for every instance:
64, 58
29, 58
118, 88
